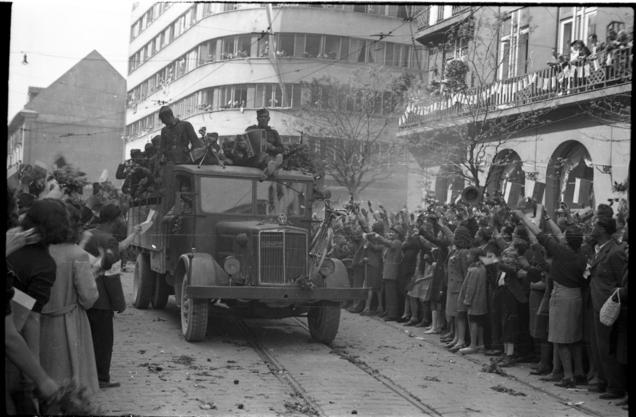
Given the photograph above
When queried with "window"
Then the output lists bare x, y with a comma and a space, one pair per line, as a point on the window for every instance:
299, 45
244, 46
332, 47
312, 46
285, 45
359, 8
227, 48
237, 195
344, 49
513, 45
376, 53
191, 60
565, 36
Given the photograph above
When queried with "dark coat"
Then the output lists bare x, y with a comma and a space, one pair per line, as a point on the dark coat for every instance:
108, 299
35, 272
176, 141
606, 273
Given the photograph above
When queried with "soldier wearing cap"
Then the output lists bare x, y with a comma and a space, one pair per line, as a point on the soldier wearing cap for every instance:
272, 158
177, 138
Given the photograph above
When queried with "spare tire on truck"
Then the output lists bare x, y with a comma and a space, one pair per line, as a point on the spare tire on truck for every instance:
323, 320
144, 282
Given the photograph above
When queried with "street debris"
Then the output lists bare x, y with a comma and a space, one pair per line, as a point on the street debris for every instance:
493, 368
206, 405
572, 403
141, 351
501, 388
183, 360
431, 378
158, 319
240, 406
236, 382
299, 407
152, 367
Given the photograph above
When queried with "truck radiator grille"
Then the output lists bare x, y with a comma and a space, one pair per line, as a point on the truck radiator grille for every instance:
282, 257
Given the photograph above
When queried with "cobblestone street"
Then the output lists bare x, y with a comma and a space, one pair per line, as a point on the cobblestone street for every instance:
372, 369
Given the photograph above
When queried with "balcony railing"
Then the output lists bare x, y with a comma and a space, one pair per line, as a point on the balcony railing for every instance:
543, 85
423, 18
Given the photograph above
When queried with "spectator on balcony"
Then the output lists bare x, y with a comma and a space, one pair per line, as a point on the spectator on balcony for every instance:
578, 61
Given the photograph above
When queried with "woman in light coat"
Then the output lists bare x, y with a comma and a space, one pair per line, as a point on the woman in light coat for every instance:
66, 350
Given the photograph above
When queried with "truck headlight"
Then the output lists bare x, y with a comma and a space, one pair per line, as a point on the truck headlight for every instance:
231, 265
327, 268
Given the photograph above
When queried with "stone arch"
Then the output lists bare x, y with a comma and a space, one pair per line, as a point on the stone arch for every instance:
569, 177
507, 166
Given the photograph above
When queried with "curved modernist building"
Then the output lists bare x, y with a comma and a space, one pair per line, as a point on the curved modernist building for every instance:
216, 63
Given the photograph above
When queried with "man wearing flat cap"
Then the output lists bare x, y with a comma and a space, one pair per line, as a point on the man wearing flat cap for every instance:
606, 271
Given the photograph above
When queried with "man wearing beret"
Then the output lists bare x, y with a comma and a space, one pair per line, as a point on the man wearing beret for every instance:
605, 275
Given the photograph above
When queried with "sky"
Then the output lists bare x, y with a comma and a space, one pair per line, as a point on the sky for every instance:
56, 34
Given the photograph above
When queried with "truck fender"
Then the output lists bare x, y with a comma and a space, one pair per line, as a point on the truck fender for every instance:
340, 276
205, 270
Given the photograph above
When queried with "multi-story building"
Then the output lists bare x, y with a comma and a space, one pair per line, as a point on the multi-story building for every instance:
520, 65
80, 116
215, 64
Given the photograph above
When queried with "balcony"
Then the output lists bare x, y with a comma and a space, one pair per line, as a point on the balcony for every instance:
554, 84
427, 31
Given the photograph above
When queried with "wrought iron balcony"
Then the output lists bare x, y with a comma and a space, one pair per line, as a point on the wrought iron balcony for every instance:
551, 83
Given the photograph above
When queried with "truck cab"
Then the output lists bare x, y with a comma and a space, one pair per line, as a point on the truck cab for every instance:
223, 236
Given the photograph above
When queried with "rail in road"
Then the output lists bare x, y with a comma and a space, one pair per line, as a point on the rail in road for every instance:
329, 381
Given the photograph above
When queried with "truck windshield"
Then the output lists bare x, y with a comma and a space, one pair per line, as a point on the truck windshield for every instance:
279, 196
234, 195
226, 195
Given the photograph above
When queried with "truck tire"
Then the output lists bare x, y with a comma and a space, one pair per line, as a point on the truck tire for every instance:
143, 282
194, 315
161, 293
323, 320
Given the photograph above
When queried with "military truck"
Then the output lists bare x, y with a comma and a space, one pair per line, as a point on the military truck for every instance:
222, 237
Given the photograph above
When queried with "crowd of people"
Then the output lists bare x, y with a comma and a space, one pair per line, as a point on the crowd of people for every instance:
596, 61
63, 287
513, 284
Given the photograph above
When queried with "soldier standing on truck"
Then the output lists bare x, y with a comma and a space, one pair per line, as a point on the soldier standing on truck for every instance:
178, 138
272, 158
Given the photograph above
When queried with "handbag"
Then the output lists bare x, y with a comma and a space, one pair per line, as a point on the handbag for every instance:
611, 309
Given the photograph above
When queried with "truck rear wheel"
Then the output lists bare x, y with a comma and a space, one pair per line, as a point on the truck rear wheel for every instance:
194, 315
161, 293
143, 282
323, 320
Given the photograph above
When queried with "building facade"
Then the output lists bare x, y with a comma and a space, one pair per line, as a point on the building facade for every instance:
80, 116
215, 64
521, 63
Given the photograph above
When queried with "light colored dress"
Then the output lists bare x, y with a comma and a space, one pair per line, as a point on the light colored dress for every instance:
66, 344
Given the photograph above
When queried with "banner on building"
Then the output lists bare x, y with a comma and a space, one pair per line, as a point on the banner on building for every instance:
577, 191
513, 192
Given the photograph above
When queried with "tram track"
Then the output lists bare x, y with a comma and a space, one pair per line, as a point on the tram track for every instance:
330, 399
384, 380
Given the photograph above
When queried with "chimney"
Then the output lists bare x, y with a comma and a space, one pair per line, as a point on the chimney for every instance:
33, 92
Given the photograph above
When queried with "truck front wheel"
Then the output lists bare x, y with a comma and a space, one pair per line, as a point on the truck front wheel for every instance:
323, 320
143, 282
194, 315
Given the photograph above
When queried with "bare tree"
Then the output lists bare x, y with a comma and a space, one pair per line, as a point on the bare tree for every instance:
469, 131
354, 121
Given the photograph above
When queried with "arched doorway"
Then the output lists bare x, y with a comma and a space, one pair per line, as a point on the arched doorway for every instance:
506, 176
569, 177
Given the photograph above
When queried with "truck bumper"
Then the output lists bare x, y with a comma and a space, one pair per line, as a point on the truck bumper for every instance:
290, 294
